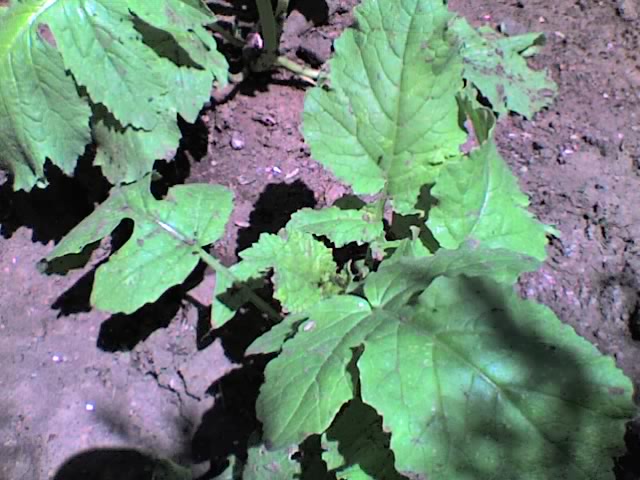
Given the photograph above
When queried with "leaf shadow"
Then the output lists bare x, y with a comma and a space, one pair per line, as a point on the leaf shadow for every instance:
226, 429
107, 463
273, 209
124, 462
51, 212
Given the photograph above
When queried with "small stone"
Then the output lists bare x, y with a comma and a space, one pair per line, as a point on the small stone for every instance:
237, 142
242, 180
628, 9
292, 174
511, 27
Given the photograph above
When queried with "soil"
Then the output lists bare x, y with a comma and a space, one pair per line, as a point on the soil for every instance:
85, 393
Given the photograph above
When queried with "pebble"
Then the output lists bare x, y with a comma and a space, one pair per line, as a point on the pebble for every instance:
237, 142
511, 27
628, 9
292, 174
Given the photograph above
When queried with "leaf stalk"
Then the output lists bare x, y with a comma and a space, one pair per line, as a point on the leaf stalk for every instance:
257, 301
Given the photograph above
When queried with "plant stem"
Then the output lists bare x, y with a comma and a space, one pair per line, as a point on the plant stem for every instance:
219, 268
269, 29
227, 36
301, 70
251, 295
281, 8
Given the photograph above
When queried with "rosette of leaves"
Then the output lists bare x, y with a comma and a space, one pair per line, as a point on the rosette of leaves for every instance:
118, 71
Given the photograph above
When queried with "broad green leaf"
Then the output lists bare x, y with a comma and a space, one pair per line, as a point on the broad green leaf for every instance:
356, 447
400, 278
479, 199
390, 119
273, 340
117, 146
307, 383
177, 33
184, 20
496, 66
263, 464
411, 248
104, 34
314, 360
225, 301
41, 113
303, 267
163, 248
223, 310
475, 383
339, 226
405, 248
118, 56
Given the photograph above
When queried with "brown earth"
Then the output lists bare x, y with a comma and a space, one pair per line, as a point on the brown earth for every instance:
84, 390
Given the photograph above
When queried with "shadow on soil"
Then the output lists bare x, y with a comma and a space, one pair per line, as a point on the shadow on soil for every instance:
53, 211
108, 463
226, 429
273, 210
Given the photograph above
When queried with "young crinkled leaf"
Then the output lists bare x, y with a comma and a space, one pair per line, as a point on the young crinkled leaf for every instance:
479, 200
163, 249
495, 65
304, 272
142, 62
390, 119
339, 226
475, 383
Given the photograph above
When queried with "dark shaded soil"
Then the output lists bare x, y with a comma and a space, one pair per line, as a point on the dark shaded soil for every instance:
76, 380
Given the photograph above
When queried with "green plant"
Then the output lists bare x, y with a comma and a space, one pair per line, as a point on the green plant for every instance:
419, 359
